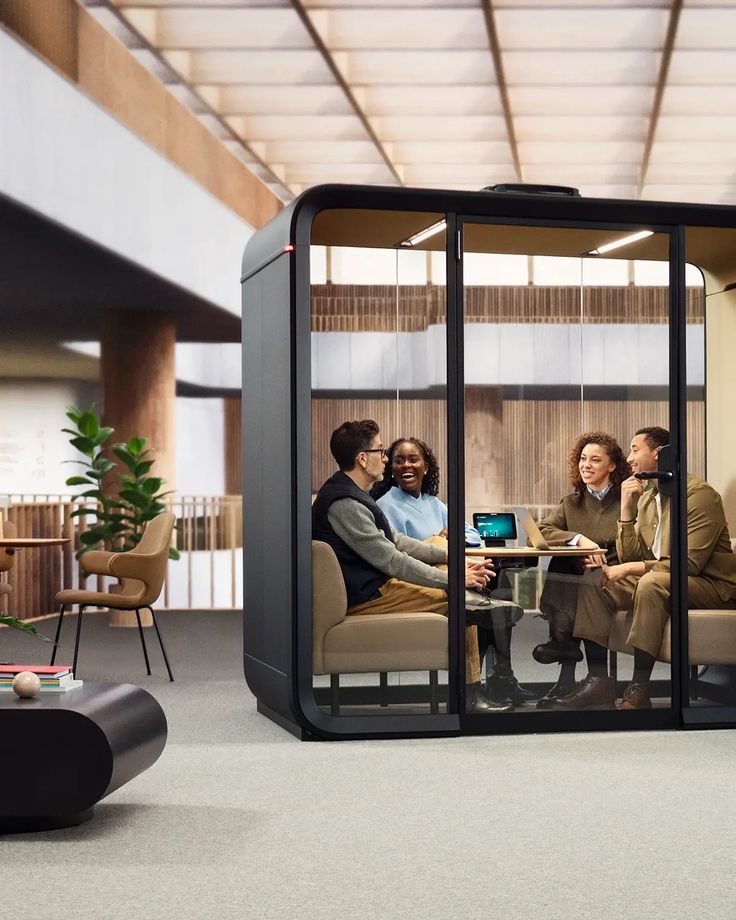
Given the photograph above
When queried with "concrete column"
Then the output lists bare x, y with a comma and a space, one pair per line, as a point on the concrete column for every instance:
139, 382
484, 463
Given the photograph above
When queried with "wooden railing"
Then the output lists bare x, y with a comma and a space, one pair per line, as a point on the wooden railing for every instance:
208, 535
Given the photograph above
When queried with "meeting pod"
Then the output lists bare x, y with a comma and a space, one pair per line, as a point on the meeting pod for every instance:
488, 463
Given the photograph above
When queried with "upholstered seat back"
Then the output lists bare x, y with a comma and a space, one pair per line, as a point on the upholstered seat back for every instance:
151, 558
329, 598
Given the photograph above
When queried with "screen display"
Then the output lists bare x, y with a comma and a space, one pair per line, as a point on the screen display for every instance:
499, 525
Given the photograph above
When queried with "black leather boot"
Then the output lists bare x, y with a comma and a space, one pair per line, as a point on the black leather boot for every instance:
565, 685
503, 685
477, 701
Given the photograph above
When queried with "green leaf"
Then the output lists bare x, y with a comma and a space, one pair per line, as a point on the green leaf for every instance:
140, 501
152, 485
122, 453
78, 481
89, 537
136, 445
143, 467
85, 445
102, 435
29, 628
88, 423
82, 512
174, 553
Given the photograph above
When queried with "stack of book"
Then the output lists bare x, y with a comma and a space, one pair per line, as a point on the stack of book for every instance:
54, 678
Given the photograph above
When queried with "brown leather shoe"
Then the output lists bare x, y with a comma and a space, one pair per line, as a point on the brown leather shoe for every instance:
591, 691
636, 696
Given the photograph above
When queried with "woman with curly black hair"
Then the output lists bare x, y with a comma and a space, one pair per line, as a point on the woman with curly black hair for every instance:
586, 517
407, 494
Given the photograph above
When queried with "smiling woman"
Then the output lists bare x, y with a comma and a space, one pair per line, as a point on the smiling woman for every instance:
407, 494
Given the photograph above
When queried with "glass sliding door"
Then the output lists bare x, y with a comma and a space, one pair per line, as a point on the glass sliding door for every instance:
568, 402
378, 346
709, 674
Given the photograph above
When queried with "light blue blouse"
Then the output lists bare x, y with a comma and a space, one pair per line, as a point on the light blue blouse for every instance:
419, 517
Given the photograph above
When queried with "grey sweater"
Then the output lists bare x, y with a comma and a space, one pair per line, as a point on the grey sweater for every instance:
409, 560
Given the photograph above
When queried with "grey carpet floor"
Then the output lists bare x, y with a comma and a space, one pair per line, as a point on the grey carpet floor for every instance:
239, 820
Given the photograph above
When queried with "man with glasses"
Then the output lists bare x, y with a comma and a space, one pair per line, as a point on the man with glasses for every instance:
384, 572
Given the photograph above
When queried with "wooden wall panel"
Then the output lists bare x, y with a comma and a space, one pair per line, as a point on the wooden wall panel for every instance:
363, 308
65, 34
420, 418
48, 26
516, 450
112, 76
233, 446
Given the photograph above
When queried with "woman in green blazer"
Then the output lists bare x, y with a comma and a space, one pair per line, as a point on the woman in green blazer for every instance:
586, 517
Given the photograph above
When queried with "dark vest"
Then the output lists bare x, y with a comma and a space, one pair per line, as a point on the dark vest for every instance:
362, 580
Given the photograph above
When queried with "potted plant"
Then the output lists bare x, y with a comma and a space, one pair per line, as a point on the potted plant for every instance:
123, 502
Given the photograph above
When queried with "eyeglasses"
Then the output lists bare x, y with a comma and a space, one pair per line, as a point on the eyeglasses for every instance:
376, 450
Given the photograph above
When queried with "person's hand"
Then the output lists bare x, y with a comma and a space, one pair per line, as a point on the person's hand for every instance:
631, 491
478, 574
615, 573
442, 533
595, 560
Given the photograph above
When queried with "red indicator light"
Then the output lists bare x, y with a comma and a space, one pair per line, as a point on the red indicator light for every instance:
289, 247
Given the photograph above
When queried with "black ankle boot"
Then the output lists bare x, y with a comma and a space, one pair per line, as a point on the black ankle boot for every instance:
560, 689
503, 685
477, 701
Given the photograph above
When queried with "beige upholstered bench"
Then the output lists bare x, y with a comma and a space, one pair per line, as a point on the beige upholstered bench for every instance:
711, 635
370, 643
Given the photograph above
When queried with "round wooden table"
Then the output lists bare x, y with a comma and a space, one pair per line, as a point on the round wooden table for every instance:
27, 542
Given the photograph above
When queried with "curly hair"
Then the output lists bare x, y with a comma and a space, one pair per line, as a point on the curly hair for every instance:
612, 448
431, 481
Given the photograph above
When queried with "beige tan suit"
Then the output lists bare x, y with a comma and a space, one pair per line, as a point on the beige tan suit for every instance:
711, 568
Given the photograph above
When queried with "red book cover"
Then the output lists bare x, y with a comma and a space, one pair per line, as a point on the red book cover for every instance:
40, 669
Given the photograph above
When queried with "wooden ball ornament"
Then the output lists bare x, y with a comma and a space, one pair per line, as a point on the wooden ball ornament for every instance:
26, 684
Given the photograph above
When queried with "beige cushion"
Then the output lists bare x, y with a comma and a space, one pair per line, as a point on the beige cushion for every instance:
387, 642
344, 644
711, 636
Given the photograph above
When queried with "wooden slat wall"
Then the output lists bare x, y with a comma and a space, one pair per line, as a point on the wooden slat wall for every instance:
528, 440
39, 573
420, 418
364, 308
233, 446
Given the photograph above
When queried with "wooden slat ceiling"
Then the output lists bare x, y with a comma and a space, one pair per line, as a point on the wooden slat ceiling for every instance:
623, 100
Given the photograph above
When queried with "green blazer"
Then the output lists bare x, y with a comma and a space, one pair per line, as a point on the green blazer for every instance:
709, 553
581, 513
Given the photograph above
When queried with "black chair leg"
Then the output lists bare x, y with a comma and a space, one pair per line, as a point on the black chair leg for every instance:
383, 692
161, 643
58, 635
693, 682
335, 694
434, 706
143, 639
76, 641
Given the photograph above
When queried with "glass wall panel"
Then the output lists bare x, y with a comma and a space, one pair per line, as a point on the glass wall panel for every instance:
711, 498
560, 373
378, 321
